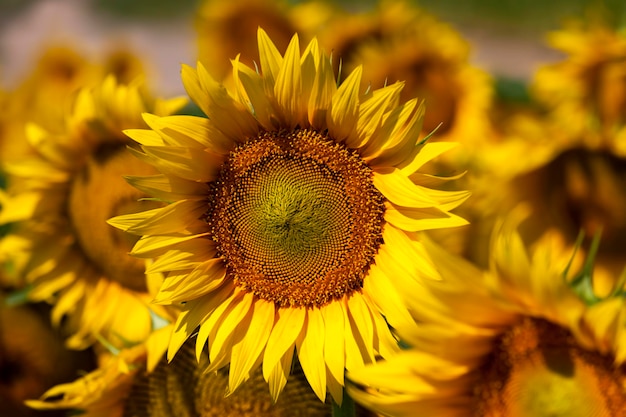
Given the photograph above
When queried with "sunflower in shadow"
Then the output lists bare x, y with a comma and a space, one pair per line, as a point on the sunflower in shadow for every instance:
57, 205
293, 208
526, 338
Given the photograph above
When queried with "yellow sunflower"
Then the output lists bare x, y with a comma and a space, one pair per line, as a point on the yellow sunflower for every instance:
102, 392
32, 356
131, 382
523, 339
44, 95
59, 242
574, 169
293, 207
586, 91
225, 29
398, 41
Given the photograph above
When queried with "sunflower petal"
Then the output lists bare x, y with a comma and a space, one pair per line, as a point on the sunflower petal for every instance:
287, 328
400, 190
246, 352
310, 345
343, 116
288, 87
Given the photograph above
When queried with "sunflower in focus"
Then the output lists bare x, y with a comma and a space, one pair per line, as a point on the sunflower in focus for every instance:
522, 339
398, 41
59, 243
293, 208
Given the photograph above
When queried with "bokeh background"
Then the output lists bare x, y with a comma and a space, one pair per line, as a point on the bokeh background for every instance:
508, 36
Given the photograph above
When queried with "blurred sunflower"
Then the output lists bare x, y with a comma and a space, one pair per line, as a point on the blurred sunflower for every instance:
131, 383
102, 392
293, 208
398, 41
32, 357
586, 91
226, 29
59, 241
43, 96
516, 341
574, 174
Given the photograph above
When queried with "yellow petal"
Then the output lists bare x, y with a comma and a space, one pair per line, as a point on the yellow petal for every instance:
150, 246
428, 152
251, 87
271, 59
400, 190
156, 345
277, 379
234, 316
344, 110
310, 345
334, 343
379, 288
190, 131
322, 92
371, 113
188, 163
178, 217
205, 278
288, 326
413, 219
246, 352
288, 87
168, 187
187, 255
361, 322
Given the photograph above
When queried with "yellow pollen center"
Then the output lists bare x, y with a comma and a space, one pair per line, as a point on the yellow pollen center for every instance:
97, 193
538, 369
296, 218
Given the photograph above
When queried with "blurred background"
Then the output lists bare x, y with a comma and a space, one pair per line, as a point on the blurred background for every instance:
507, 35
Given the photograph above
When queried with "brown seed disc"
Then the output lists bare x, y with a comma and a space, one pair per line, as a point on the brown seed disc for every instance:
538, 369
296, 218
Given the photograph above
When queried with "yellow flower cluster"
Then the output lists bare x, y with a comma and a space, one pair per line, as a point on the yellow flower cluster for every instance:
345, 218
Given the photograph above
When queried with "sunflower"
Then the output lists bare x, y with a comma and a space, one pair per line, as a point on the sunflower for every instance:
32, 356
225, 29
398, 41
102, 392
574, 170
517, 340
59, 242
132, 383
42, 96
293, 206
585, 92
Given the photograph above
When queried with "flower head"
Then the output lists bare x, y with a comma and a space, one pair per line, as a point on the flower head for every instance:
293, 207
59, 242
518, 340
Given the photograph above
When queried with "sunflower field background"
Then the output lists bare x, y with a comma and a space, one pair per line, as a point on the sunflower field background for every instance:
312, 208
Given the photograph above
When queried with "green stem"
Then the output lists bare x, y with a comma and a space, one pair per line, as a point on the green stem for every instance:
346, 409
